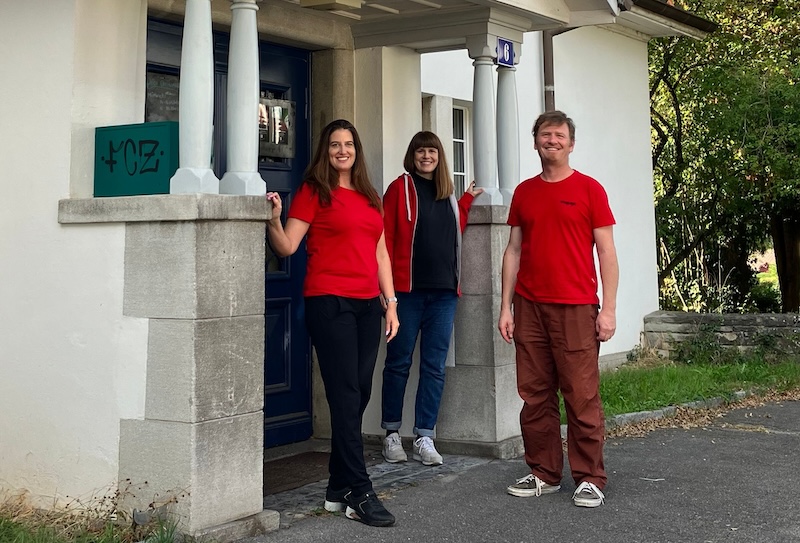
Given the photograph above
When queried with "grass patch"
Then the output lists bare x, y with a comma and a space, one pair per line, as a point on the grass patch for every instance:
633, 389
770, 276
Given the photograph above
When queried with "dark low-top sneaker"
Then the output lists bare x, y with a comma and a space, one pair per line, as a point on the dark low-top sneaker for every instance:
335, 500
368, 509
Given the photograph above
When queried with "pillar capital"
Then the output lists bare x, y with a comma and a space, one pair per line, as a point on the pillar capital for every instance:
485, 45
482, 45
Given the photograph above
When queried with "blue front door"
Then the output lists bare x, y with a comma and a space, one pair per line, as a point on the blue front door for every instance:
287, 364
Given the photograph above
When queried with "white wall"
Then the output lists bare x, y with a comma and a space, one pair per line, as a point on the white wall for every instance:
70, 364
388, 108
601, 82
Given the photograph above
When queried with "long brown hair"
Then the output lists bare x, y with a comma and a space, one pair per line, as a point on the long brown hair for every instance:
441, 175
322, 176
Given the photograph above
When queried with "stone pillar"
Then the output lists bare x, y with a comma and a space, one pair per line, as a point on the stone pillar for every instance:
507, 132
480, 406
194, 266
437, 116
242, 175
196, 108
484, 149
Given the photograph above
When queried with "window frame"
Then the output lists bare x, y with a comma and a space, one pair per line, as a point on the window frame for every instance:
466, 109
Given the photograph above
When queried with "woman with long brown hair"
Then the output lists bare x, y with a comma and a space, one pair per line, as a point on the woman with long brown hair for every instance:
348, 286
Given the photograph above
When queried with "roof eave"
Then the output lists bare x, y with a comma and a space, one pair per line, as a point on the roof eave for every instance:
674, 21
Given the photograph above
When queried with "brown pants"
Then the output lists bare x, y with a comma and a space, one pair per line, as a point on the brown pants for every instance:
557, 348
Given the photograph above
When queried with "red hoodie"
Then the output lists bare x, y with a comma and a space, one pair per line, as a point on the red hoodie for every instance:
400, 227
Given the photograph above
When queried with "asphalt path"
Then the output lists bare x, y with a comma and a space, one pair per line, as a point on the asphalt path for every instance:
735, 480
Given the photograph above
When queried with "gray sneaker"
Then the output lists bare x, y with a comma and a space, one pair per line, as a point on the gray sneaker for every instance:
531, 485
588, 495
425, 452
393, 449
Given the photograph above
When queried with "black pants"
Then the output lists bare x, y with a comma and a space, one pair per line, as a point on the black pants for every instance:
346, 333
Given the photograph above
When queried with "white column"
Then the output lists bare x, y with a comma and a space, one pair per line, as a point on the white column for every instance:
242, 175
507, 132
484, 131
196, 107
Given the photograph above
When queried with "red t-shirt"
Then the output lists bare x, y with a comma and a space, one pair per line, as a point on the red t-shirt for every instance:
557, 221
342, 243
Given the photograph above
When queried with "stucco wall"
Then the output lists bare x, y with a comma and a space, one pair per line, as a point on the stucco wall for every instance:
601, 82
70, 364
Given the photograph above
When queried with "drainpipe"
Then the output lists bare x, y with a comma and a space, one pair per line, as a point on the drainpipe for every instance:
547, 64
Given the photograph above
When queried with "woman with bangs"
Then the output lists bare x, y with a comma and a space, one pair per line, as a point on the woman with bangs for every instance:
423, 223
347, 288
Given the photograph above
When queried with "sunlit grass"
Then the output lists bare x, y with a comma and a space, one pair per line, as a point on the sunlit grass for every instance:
631, 389
770, 276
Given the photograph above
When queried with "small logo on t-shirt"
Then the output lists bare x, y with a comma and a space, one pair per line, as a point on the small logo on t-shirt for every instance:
566, 203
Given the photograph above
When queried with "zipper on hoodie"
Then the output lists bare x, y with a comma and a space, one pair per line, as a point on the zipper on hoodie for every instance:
406, 178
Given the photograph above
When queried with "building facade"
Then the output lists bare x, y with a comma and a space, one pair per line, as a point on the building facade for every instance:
151, 342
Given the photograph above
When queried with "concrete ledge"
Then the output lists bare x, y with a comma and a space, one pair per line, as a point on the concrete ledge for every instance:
503, 450
512, 447
612, 361
258, 524
669, 411
164, 207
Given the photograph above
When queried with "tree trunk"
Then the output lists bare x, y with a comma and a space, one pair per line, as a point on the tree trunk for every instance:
786, 242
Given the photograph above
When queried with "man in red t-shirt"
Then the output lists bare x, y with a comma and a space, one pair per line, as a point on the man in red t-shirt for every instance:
550, 311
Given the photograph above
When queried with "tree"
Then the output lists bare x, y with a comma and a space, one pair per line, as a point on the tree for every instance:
726, 135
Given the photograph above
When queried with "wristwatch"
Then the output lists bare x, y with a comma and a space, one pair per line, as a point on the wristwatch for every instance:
391, 299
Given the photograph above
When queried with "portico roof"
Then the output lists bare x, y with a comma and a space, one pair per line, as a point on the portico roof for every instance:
436, 25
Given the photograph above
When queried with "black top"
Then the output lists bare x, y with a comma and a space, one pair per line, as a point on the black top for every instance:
434, 262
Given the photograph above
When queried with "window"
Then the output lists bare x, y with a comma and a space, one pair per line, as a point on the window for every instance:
460, 152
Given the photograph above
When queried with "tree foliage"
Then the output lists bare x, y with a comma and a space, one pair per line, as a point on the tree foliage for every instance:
726, 136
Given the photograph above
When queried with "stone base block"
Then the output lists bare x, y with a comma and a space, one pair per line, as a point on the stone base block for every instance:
477, 341
194, 270
207, 474
480, 404
216, 364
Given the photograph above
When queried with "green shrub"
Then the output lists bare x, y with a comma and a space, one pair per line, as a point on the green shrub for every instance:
764, 298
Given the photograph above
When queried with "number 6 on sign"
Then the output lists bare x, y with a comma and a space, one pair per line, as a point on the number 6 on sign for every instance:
505, 52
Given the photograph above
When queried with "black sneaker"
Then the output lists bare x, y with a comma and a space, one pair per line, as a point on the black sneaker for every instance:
368, 509
335, 500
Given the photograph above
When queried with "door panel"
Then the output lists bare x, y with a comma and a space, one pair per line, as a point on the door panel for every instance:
287, 378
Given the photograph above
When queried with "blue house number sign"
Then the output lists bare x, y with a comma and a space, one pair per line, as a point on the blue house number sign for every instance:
505, 52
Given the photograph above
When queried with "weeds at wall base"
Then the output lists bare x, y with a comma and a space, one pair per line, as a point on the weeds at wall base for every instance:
95, 520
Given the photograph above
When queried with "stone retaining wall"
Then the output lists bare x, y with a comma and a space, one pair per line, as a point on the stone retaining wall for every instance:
664, 330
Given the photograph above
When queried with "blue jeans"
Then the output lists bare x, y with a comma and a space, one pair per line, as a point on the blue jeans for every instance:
428, 313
